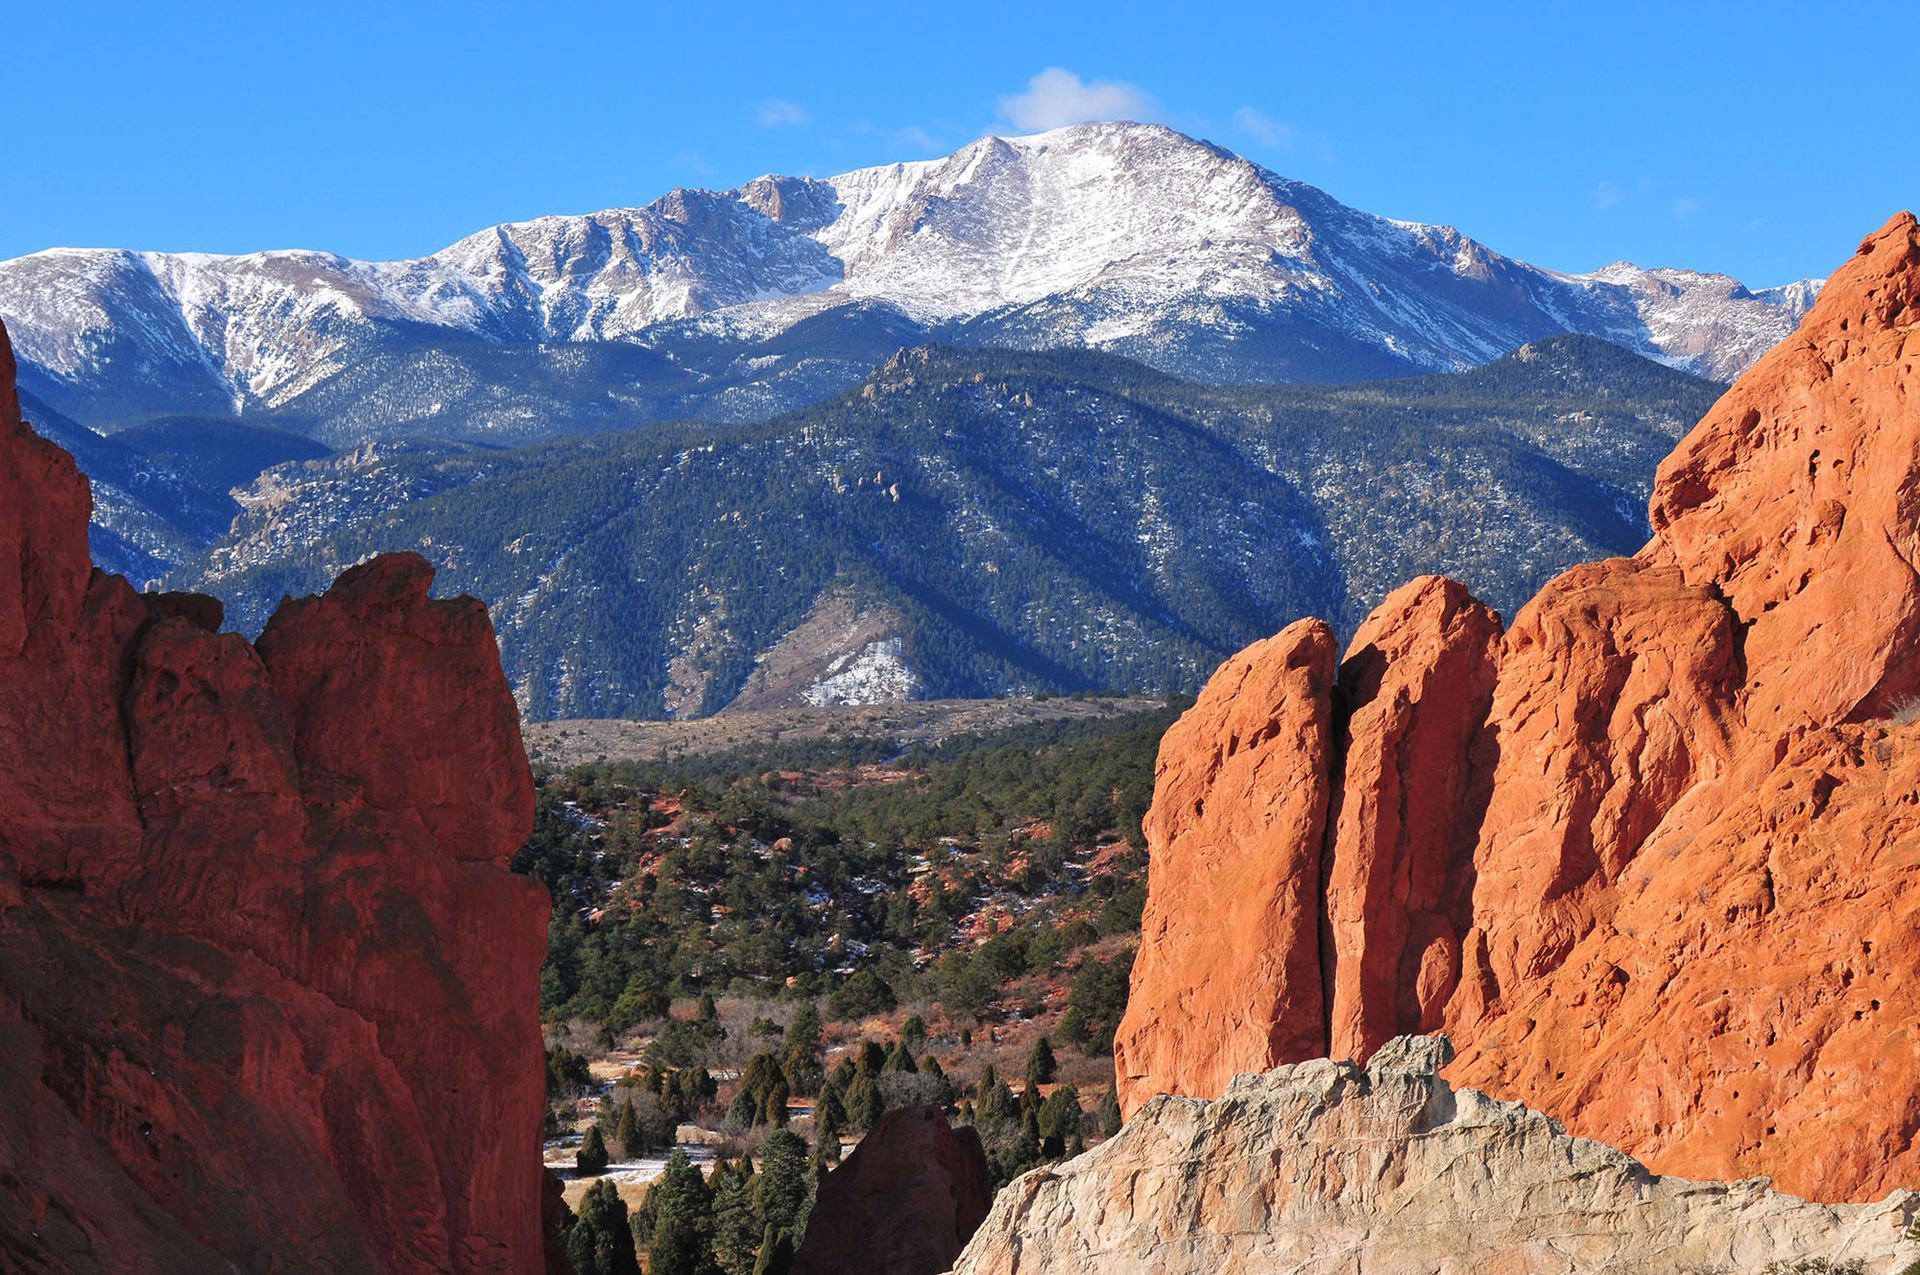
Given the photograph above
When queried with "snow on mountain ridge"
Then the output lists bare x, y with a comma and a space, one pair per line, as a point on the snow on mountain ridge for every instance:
1127, 236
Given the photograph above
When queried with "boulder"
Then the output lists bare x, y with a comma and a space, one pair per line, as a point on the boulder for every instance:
905, 1202
1322, 1168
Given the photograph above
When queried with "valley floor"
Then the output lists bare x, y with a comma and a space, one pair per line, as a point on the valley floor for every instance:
911, 723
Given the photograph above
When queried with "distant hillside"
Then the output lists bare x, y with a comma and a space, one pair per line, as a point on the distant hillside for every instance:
966, 523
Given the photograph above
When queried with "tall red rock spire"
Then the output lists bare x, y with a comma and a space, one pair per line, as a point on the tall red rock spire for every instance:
268, 992
1653, 857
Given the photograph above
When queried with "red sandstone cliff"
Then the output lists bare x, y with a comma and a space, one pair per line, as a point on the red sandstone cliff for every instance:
1651, 856
267, 989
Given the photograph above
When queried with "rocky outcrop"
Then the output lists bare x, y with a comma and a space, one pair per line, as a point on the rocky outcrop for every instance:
1413, 690
1235, 831
1651, 855
1321, 1168
904, 1203
267, 989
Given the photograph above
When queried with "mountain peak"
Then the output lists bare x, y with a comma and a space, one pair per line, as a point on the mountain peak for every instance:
1125, 236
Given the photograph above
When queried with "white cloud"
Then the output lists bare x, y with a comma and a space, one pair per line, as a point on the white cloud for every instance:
1264, 128
1688, 207
1607, 195
1056, 98
775, 112
916, 138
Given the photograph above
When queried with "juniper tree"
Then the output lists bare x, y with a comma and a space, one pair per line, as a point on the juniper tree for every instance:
683, 1222
1110, 1119
591, 1158
784, 1192
1041, 1066
600, 1242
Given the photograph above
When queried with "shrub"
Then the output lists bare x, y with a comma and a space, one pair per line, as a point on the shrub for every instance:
914, 1089
861, 996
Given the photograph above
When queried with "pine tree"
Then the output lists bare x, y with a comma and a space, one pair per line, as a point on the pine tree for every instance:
1041, 1066
736, 1227
864, 1104
591, 1158
784, 1192
873, 1059
601, 1243
683, 1221
626, 1133
900, 1058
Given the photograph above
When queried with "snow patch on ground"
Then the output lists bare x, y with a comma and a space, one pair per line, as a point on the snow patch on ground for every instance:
876, 673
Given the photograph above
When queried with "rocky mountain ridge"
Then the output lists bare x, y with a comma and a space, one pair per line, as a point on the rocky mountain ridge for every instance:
734, 304
1649, 855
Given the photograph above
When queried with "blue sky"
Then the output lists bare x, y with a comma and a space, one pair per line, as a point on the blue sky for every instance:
1760, 139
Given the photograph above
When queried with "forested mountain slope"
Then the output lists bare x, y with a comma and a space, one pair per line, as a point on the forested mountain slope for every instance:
972, 522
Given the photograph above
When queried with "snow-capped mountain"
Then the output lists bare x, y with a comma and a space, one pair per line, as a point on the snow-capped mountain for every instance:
1126, 237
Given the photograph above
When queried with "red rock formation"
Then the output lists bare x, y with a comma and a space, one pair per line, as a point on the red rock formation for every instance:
267, 990
1681, 853
905, 1202
1239, 814
1413, 692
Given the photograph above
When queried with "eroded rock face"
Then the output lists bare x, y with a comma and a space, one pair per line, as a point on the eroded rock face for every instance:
268, 992
1660, 872
905, 1202
1320, 1168
1238, 818
1413, 692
